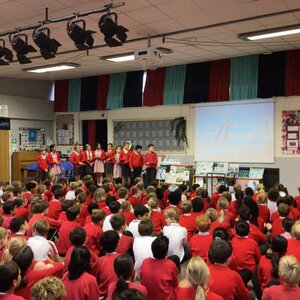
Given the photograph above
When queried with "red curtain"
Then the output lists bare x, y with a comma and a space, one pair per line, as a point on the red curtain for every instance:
292, 73
219, 80
154, 88
92, 133
61, 96
102, 91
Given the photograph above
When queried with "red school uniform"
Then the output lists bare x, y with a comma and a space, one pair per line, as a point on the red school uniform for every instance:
110, 156
42, 163
136, 160
103, 270
214, 199
75, 159
190, 293
83, 288
227, 283
200, 244
264, 212
246, 253
63, 216
134, 201
129, 216
150, 160
131, 285
294, 248
189, 222
53, 223
275, 215
54, 209
297, 201
83, 214
256, 234
64, 231
93, 234
22, 212
283, 292
33, 276
159, 276
124, 157
51, 161
10, 297
264, 272
277, 227
158, 220
125, 244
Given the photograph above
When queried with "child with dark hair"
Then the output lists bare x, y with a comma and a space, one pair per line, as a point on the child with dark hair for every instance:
287, 225
254, 211
284, 211
103, 268
123, 266
273, 195
193, 191
224, 281
31, 189
65, 205
90, 209
19, 227
174, 199
79, 283
245, 251
159, 274
140, 213
127, 212
21, 208
55, 204
115, 208
215, 196
108, 200
268, 265
9, 281
197, 207
30, 276
220, 233
234, 206
64, 243
9, 213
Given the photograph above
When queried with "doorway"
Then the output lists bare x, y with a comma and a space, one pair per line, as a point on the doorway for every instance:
94, 131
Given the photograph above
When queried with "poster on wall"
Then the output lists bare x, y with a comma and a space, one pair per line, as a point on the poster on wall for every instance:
65, 130
31, 138
290, 129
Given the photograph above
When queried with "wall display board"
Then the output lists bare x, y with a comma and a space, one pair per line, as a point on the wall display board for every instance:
290, 132
157, 132
65, 130
31, 138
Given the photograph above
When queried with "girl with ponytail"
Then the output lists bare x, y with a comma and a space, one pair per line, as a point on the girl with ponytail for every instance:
80, 285
268, 265
194, 286
124, 268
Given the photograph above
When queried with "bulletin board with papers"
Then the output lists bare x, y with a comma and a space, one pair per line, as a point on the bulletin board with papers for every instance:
65, 130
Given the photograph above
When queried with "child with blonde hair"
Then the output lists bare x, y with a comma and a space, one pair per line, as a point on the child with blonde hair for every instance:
155, 215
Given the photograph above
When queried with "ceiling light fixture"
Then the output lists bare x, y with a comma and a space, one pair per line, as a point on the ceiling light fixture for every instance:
270, 33
119, 58
48, 47
52, 68
82, 38
19, 42
6, 54
114, 34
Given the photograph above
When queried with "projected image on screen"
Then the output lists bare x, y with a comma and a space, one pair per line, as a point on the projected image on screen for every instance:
235, 133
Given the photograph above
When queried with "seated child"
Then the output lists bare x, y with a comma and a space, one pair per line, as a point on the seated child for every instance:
284, 211
18, 227
21, 208
140, 213
39, 244
48, 288
9, 213
79, 283
114, 207
65, 205
224, 281
287, 225
176, 234
94, 230
127, 212
103, 268
71, 193
200, 242
187, 220
9, 281
123, 267
55, 204
135, 198
159, 274
294, 243
90, 209
123, 194
158, 219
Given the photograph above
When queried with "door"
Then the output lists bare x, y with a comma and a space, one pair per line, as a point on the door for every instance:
4, 155
94, 131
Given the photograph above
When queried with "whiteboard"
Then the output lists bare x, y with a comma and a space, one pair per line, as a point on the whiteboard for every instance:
235, 133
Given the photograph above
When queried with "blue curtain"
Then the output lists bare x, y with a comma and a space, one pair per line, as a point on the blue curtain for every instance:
174, 84
74, 95
244, 77
116, 90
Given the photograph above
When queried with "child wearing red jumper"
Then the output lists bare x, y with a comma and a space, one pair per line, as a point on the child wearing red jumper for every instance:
124, 161
80, 285
9, 281
268, 265
159, 274
103, 269
55, 204
158, 219
66, 228
123, 267
76, 162
65, 205
135, 198
187, 220
200, 242
136, 163
150, 162
195, 282
127, 212
245, 251
289, 272
42, 165
294, 244
277, 227
224, 281
126, 242
94, 230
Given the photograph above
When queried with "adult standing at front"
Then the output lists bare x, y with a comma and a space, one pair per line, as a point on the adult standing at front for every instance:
124, 160
150, 163
53, 158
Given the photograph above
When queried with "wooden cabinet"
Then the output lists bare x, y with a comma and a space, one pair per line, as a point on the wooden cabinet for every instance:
20, 160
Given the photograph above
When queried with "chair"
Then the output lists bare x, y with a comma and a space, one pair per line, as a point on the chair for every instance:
67, 169
32, 169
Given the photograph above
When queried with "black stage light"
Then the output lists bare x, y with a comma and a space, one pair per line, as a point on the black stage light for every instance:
19, 43
114, 34
82, 38
48, 47
6, 54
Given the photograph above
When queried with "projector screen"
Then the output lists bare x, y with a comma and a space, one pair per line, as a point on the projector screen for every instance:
235, 133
